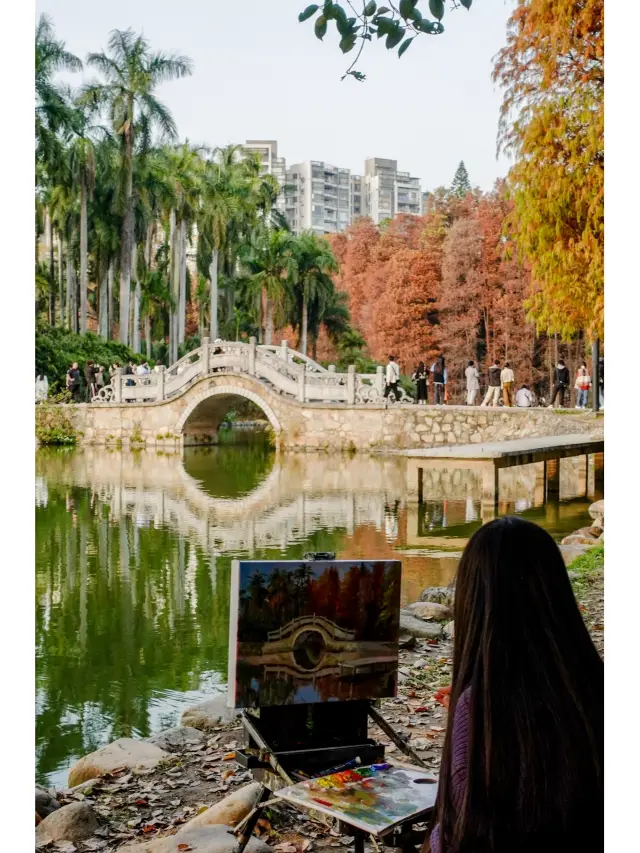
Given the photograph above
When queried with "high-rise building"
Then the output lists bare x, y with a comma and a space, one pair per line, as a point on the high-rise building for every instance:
388, 192
271, 164
318, 197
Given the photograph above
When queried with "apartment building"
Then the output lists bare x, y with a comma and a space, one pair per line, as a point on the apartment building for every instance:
271, 164
318, 197
388, 192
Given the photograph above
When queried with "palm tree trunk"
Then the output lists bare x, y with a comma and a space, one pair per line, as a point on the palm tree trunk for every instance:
74, 300
268, 330
110, 277
147, 335
305, 323
127, 238
61, 279
52, 288
103, 318
83, 257
182, 317
69, 293
135, 330
173, 267
213, 275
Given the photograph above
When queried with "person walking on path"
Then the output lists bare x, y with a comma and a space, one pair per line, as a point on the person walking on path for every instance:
438, 371
507, 380
392, 377
561, 384
524, 397
473, 383
42, 388
493, 391
582, 385
73, 382
523, 761
420, 378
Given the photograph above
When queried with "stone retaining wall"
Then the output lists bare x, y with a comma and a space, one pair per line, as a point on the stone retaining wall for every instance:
194, 417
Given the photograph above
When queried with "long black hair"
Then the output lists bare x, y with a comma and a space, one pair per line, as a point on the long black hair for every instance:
536, 702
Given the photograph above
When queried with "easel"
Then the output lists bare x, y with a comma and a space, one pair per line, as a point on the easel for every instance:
292, 743
339, 735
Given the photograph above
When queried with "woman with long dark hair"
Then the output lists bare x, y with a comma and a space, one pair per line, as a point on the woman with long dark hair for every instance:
522, 767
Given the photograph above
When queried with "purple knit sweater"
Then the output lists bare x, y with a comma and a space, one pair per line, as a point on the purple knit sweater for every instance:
459, 760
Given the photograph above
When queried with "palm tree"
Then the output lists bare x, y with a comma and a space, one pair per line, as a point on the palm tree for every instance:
131, 74
314, 260
333, 314
53, 111
269, 263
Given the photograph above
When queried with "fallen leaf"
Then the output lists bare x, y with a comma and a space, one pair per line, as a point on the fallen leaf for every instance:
184, 846
229, 756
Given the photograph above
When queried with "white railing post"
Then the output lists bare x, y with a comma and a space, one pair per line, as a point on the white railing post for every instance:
332, 368
161, 370
204, 357
351, 384
284, 351
380, 380
117, 385
301, 379
252, 356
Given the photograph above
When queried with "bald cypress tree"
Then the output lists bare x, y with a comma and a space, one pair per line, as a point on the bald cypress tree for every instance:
461, 184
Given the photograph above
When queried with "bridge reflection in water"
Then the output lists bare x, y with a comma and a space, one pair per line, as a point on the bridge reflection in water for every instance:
134, 551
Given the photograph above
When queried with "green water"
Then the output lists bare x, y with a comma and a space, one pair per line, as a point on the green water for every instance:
133, 560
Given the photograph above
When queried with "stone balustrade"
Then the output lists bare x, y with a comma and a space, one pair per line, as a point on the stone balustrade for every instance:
288, 372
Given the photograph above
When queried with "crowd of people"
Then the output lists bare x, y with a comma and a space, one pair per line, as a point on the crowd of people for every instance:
500, 385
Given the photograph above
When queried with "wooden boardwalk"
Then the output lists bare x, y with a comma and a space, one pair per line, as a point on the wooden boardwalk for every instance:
492, 456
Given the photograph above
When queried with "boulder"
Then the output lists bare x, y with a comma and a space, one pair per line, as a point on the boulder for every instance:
45, 802
68, 823
572, 552
439, 594
596, 511
448, 630
407, 641
430, 610
410, 624
207, 715
177, 738
199, 839
230, 810
124, 752
580, 539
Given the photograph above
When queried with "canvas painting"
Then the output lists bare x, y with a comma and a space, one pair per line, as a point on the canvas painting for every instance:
320, 631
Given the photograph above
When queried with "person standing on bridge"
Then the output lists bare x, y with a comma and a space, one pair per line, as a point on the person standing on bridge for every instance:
473, 383
73, 382
493, 391
582, 385
392, 377
507, 379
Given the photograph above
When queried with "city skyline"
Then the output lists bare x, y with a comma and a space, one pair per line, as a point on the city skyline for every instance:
428, 111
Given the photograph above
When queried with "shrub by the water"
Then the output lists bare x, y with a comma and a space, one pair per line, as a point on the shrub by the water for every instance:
57, 349
53, 424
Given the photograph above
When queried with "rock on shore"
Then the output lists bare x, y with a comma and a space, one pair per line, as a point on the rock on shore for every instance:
439, 594
430, 610
68, 823
207, 715
199, 839
417, 627
124, 752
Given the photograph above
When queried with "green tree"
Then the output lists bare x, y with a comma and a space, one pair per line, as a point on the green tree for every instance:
461, 185
312, 284
131, 74
398, 25
269, 263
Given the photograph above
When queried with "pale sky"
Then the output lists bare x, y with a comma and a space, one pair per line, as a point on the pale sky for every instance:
259, 74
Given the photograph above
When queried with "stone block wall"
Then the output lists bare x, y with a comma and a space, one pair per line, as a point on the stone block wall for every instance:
194, 417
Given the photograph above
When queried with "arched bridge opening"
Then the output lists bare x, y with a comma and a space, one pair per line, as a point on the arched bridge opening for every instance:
201, 422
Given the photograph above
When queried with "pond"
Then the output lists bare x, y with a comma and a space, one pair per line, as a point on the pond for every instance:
134, 551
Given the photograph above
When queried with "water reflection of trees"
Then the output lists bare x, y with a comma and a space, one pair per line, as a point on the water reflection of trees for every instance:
123, 610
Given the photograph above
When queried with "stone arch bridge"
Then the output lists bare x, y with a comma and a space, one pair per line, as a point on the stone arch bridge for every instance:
307, 406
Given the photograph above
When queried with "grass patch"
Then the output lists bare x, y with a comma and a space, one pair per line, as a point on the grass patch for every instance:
586, 567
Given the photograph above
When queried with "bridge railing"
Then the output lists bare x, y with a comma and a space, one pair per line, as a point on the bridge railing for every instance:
284, 370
